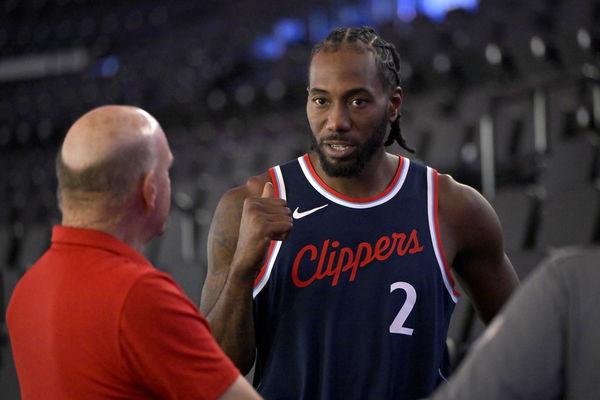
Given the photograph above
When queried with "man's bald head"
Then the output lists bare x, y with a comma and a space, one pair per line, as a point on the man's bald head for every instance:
103, 131
105, 153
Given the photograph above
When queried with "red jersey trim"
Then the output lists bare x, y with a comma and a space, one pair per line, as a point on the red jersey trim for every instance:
275, 182
263, 269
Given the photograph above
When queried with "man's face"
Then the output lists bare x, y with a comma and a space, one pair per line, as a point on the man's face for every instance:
347, 109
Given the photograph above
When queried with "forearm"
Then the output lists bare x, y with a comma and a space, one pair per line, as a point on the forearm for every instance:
239, 238
231, 320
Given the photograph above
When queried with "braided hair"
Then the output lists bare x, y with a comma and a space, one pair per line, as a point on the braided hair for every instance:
386, 58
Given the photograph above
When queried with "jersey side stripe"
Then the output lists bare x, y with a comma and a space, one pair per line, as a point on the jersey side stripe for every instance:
432, 212
265, 271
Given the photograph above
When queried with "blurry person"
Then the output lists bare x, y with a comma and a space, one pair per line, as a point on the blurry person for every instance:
92, 318
544, 343
350, 295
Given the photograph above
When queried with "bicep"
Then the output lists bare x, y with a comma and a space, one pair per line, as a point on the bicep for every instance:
480, 263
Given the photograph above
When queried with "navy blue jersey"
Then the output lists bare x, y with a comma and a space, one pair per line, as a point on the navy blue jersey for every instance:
355, 304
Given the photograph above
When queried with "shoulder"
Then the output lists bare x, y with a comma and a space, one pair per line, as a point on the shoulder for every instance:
155, 293
576, 257
458, 196
575, 267
458, 201
466, 214
153, 281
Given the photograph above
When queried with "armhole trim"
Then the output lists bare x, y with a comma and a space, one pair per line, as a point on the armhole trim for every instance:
434, 230
265, 272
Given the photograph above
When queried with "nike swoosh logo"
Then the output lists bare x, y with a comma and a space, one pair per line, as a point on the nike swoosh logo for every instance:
301, 214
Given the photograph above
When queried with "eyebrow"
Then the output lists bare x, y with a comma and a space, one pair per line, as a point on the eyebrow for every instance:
350, 92
317, 90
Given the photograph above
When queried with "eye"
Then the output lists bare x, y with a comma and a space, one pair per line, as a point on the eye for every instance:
359, 102
319, 101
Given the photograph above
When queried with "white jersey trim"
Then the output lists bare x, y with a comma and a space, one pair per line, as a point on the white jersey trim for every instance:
317, 186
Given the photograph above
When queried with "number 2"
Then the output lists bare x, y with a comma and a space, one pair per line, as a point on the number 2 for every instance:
409, 303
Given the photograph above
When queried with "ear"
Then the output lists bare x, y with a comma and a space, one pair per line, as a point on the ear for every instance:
395, 103
149, 190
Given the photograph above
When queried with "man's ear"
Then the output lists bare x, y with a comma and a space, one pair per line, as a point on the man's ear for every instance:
395, 103
149, 190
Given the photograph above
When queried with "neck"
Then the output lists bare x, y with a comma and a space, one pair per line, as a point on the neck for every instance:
372, 180
116, 225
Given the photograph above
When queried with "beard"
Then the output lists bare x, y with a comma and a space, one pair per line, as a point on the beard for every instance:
363, 155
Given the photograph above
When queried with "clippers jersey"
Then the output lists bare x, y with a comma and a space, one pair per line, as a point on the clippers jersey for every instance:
356, 303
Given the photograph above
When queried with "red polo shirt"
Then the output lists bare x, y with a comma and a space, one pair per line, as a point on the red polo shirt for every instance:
93, 319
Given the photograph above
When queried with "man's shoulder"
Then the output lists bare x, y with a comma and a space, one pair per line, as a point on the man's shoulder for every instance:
120, 272
456, 193
152, 279
577, 263
465, 211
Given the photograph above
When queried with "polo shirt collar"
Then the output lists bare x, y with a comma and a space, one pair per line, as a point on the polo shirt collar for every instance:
94, 238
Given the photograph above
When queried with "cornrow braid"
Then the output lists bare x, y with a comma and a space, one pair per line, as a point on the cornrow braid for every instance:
386, 58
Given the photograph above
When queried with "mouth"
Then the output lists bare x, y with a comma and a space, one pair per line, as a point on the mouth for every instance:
339, 149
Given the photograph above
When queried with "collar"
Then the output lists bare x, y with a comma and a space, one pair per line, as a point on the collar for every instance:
67, 235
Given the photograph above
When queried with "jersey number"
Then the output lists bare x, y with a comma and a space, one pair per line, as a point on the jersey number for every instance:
409, 303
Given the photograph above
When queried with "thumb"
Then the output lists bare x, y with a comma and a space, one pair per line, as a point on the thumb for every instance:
267, 190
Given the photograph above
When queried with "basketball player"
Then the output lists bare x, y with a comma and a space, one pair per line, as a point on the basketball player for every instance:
354, 300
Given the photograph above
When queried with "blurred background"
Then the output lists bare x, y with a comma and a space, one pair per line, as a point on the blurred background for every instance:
502, 94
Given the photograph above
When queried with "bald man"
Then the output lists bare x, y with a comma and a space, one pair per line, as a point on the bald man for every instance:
93, 319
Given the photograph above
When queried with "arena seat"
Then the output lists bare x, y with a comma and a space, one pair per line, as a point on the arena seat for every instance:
569, 217
177, 254
35, 241
525, 261
8, 376
569, 165
515, 207
514, 138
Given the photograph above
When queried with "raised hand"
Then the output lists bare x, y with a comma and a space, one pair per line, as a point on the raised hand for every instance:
263, 219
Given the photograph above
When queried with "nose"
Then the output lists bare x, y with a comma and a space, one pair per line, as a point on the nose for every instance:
338, 119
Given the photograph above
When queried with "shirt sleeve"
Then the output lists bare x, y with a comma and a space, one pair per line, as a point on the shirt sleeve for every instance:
167, 345
520, 354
